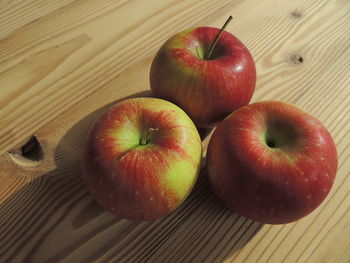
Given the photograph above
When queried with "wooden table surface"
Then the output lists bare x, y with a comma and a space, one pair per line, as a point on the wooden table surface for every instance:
63, 62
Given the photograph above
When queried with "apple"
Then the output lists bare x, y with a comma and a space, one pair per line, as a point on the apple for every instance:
142, 158
206, 71
271, 162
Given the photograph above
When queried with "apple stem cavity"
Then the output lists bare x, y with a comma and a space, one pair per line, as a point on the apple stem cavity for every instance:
217, 37
271, 143
147, 136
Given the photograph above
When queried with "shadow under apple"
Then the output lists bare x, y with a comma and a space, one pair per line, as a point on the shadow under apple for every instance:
69, 225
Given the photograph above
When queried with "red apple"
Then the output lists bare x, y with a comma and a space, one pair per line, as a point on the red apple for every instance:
142, 158
272, 162
208, 87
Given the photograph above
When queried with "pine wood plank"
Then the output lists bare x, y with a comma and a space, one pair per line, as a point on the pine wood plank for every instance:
63, 63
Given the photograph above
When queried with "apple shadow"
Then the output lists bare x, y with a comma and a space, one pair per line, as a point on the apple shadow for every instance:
54, 218
204, 132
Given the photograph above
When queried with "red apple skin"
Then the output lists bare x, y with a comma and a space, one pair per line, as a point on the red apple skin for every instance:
141, 182
207, 90
273, 185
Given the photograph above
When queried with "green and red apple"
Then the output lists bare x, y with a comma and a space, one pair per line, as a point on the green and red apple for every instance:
142, 158
206, 71
272, 162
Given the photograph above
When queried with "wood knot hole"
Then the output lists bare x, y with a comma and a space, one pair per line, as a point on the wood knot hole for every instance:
295, 59
30, 154
296, 14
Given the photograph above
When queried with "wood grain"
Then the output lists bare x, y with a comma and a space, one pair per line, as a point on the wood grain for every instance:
62, 63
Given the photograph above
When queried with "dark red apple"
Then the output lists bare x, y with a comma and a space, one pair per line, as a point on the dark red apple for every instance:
142, 158
206, 74
272, 162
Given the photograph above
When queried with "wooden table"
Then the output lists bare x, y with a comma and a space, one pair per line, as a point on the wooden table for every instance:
63, 62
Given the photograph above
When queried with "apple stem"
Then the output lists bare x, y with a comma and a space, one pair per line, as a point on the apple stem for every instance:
218, 36
144, 140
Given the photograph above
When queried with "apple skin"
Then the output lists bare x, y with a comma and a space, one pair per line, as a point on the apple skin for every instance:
135, 181
272, 162
208, 90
